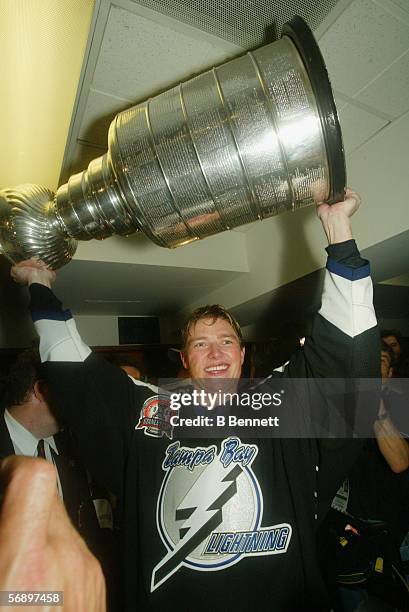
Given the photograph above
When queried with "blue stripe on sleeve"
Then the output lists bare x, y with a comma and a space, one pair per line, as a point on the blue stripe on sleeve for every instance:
51, 315
347, 272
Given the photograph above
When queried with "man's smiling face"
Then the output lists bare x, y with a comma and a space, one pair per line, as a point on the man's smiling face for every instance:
213, 350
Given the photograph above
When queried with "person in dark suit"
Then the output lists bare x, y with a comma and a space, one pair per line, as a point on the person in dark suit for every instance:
29, 427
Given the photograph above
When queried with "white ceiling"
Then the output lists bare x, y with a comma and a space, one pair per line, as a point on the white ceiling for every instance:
401, 281
371, 75
134, 52
163, 291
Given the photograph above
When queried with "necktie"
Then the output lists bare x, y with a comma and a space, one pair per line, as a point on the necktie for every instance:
41, 449
54, 456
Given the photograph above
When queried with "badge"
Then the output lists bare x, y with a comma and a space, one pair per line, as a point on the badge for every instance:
155, 417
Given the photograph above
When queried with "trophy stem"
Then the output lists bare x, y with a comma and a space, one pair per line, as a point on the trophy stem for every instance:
92, 205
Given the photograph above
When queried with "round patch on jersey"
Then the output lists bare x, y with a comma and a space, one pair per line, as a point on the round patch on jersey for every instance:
155, 417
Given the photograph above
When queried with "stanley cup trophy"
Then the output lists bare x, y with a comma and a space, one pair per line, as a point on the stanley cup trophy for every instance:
254, 137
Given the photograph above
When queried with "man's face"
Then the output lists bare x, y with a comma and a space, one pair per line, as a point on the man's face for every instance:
213, 350
385, 365
46, 420
393, 343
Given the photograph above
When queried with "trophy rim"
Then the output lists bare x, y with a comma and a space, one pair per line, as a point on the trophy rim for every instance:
299, 32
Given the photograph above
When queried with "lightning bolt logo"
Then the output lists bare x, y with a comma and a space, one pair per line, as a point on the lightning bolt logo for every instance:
198, 517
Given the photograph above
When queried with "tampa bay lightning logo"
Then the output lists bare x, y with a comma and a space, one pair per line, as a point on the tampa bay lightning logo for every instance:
210, 509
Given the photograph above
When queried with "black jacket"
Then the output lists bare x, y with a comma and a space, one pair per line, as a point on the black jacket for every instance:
79, 493
73, 477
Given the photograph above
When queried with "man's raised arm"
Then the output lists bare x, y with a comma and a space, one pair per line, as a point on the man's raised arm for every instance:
59, 338
98, 401
345, 340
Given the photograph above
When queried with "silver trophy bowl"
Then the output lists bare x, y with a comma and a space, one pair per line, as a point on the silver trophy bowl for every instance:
250, 139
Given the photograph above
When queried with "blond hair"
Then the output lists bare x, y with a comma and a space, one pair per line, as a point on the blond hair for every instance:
210, 311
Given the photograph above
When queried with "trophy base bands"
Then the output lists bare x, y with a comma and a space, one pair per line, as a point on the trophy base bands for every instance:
31, 598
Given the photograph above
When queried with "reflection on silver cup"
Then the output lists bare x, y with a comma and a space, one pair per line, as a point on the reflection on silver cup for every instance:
28, 227
254, 137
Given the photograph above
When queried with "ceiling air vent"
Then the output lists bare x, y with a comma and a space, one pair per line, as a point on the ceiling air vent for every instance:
247, 23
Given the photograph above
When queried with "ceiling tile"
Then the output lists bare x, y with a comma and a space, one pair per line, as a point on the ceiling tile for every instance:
140, 57
390, 92
100, 109
145, 287
363, 41
358, 126
402, 280
340, 101
403, 4
81, 157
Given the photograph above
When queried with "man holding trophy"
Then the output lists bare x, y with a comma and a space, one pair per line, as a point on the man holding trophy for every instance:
195, 516
225, 523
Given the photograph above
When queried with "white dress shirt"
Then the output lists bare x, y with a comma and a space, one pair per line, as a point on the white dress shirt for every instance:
25, 443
